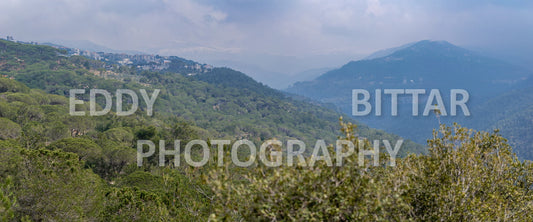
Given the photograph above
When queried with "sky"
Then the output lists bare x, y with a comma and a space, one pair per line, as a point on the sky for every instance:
276, 41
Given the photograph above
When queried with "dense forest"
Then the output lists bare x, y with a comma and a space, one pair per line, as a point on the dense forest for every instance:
59, 167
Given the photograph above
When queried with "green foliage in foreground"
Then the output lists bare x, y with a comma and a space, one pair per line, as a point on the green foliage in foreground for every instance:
7, 200
56, 167
467, 176
84, 171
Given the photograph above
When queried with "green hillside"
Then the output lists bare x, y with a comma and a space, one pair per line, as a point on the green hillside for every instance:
59, 167
224, 102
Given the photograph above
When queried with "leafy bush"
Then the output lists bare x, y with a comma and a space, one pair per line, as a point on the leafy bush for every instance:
467, 176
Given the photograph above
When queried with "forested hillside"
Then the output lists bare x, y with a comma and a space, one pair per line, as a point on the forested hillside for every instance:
511, 113
224, 102
60, 167
56, 166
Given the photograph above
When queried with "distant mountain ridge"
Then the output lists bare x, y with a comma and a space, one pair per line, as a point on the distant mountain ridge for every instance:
421, 65
425, 64
432, 61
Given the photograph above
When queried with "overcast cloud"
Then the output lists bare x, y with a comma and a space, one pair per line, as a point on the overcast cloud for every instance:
272, 37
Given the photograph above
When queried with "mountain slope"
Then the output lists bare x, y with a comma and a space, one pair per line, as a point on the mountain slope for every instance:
425, 64
422, 65
511, 113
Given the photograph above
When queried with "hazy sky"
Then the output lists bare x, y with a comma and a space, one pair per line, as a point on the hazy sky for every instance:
278, 36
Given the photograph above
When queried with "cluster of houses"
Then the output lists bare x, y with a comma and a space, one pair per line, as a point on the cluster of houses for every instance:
140, 61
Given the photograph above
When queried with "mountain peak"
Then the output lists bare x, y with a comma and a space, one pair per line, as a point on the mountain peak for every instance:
428, 64
433, 42
434, 47
429, 48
